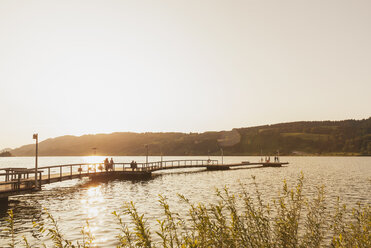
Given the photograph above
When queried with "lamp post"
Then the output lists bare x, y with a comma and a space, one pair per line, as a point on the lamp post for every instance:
36, 137
221, 149
147, 155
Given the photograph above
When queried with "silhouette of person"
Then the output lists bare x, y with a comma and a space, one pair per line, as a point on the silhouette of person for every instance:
111, 164
106, 164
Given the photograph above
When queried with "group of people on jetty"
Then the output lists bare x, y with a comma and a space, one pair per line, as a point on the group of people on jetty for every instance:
133, 165
108, 165
268, 159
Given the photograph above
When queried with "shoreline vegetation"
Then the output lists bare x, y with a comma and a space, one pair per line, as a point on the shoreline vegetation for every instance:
244, 220
5, 154
318, 138
205, 155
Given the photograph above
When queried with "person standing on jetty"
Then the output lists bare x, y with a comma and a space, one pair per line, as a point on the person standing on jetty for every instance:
111, 164
106, 164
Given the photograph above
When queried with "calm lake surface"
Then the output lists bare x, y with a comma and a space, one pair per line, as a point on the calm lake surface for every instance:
75, 201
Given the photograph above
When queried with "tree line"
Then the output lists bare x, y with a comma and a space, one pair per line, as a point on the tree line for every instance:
348, 137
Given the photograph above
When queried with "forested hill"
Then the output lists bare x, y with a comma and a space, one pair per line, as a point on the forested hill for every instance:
349, 137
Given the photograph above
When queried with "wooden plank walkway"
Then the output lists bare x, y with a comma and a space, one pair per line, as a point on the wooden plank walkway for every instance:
19, 181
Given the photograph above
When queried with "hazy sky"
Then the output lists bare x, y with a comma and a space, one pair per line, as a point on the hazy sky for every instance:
79, 67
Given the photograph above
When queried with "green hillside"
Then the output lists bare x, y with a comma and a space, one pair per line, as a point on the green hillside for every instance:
349, 137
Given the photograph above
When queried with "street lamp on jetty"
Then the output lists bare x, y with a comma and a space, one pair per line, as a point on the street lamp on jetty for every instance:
147, 155
36, 137
221, 150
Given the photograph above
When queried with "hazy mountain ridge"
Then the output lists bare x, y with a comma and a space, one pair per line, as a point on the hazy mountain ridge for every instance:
349, 137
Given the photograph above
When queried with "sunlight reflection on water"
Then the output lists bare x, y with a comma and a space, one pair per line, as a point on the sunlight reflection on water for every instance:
75, 201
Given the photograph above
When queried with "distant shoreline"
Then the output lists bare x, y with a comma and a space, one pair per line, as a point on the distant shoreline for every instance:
317, 138
283, 155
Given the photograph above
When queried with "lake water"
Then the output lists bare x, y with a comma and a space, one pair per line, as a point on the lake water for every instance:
75, 201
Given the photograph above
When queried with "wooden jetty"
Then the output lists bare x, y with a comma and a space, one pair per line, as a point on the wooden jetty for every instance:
16, 181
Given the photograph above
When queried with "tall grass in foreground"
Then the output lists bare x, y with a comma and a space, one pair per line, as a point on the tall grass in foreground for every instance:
290, 220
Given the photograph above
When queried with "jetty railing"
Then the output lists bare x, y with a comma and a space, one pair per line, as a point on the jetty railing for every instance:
17, 178
171, 164
168, 164
90, 168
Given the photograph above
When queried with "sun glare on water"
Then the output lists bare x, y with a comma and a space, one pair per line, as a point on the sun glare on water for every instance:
93, 205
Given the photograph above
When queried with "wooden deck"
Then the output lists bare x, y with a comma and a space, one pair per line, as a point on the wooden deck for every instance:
15, 181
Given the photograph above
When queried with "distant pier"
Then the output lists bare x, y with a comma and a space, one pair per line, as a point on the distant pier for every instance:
17, 181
